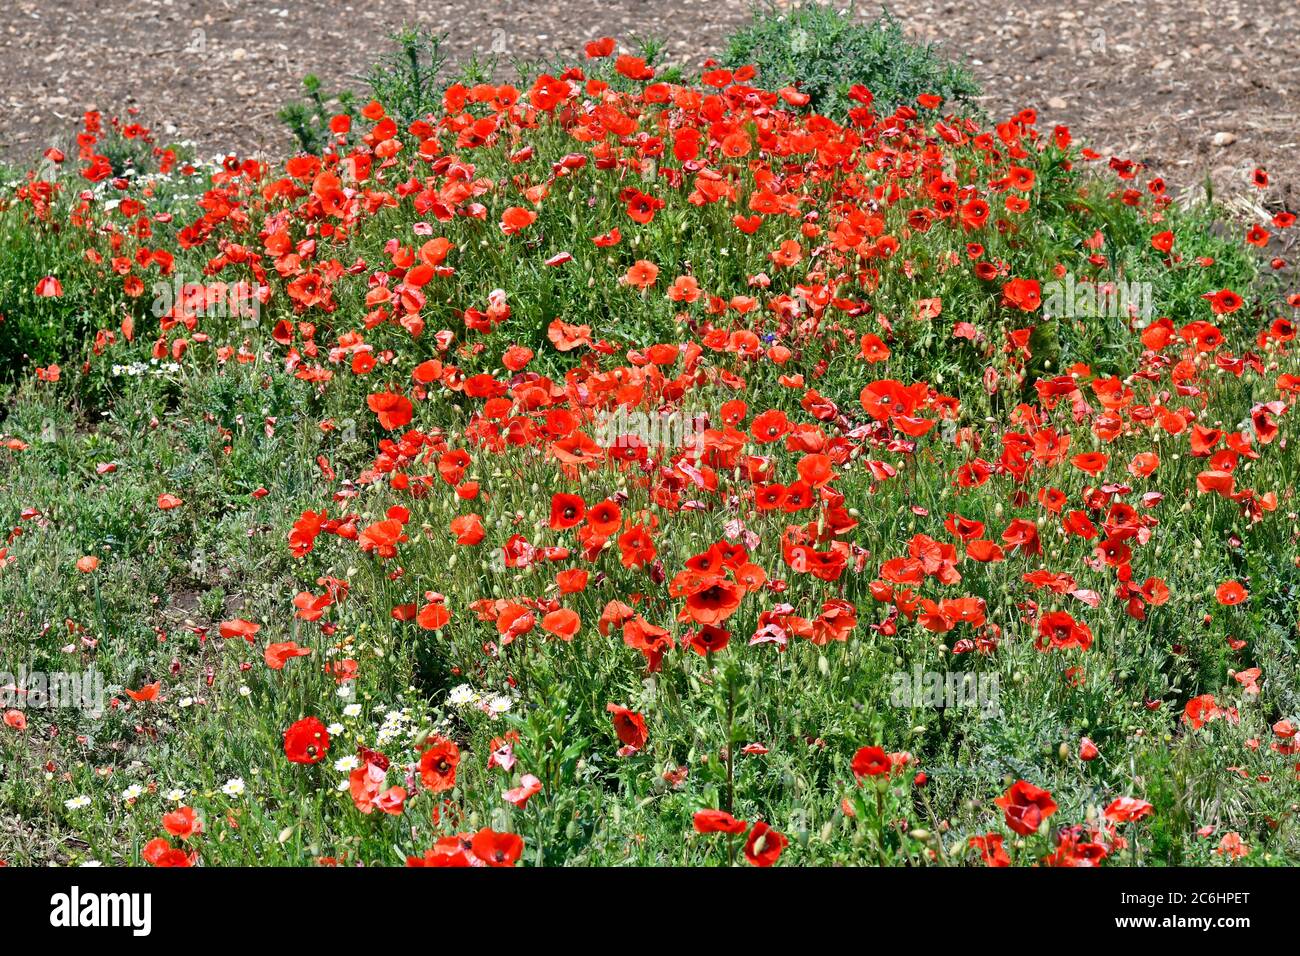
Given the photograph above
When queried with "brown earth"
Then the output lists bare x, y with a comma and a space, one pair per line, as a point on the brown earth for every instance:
1153, 80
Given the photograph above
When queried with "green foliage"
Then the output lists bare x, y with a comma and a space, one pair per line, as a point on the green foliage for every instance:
33, 330
309, 120
825, 51
406, 78
128, 156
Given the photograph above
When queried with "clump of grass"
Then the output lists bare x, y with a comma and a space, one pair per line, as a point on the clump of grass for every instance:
308, 119
825, 51
406, 78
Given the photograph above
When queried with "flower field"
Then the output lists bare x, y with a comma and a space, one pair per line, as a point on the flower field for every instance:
620, 467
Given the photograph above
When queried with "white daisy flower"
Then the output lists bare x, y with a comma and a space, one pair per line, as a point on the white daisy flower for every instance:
461, 695
234, 787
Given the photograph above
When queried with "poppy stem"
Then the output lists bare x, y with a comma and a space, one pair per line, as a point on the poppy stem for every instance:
730, 756
880, 820
731, 760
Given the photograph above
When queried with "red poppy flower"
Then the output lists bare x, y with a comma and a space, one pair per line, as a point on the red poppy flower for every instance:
572, 581
277, 655
1093, 462
1200, 710
49, 287
1128, 809
529, 787
1026, 807
712, 603
1024, 294
147, 692
641, 274
182, 823
887, 398
394, 411
1225, 302
630, 728
816, 470
158, 852
382, 537
991, 849
563, 623
516, 219
717, 821
871, 762
709, 639
306, 741
770, 426
467, 529
764, 845
873, 348
239, 628
434, 616
567, 511
604, 518
438, 764
1230, 592
497, 849
1060, 630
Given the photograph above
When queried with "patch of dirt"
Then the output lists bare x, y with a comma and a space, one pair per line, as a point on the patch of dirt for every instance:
1159, 81
1152, 80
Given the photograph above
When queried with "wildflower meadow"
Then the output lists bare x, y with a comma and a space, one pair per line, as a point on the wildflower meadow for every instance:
784, 463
